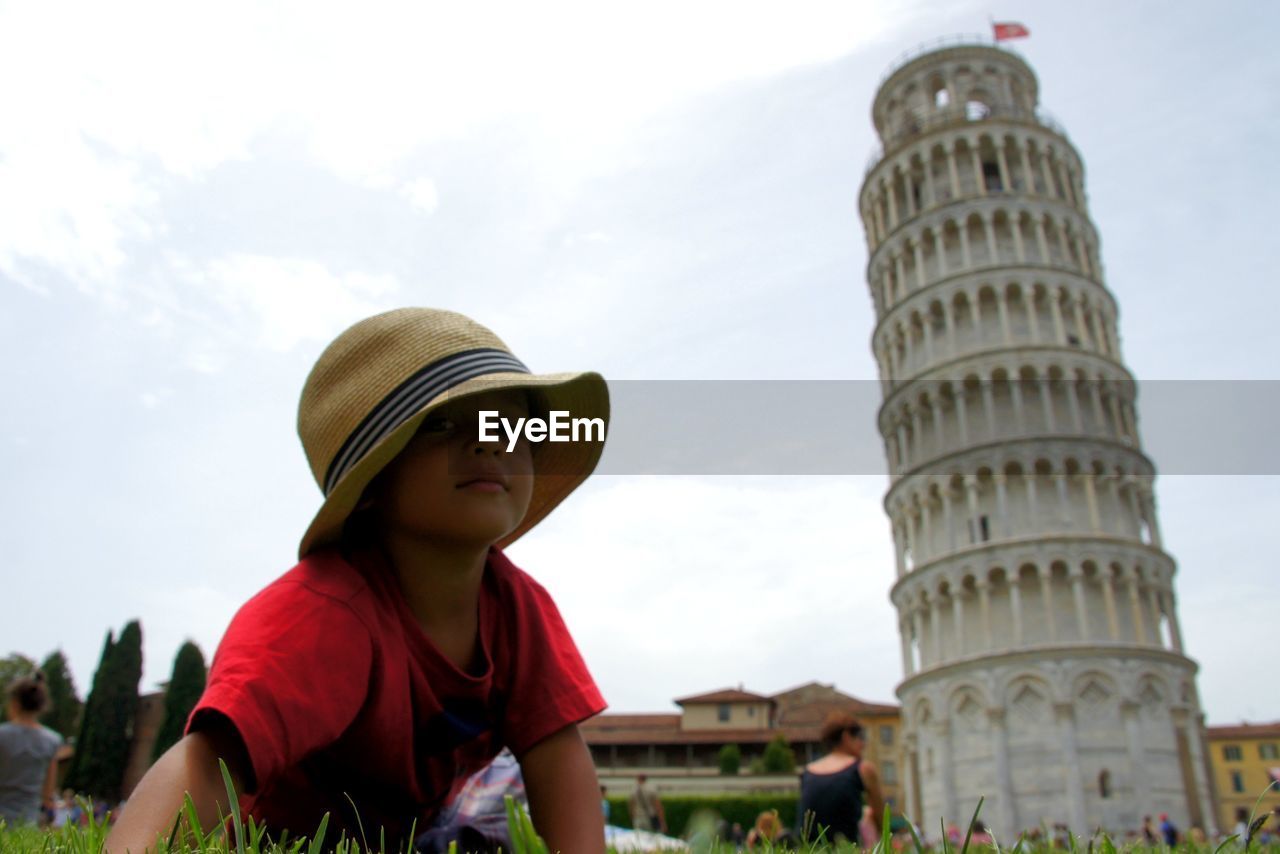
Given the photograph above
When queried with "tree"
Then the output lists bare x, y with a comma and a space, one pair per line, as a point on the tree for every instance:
64, 706
185, 687
778, 758
78, 773
15, 666
102, 751
730, 760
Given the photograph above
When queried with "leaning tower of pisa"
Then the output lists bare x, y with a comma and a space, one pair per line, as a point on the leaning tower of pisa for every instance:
1044, 668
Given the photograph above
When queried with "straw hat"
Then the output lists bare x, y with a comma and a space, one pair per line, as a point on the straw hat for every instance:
373, 386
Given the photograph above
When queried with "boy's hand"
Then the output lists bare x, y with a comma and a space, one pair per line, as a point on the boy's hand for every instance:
564, 794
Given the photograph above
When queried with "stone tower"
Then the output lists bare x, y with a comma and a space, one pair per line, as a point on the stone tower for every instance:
1044, 666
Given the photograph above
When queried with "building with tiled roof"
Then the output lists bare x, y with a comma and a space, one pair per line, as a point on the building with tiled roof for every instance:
680, 751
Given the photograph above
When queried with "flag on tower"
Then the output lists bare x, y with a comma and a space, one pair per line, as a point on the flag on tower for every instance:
1009, 30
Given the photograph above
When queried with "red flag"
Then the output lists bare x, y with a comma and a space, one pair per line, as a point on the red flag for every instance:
1010, 30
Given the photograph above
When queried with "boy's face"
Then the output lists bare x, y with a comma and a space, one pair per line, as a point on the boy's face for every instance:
448, 487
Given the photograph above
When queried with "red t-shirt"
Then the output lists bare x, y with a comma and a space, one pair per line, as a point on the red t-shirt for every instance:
335, 691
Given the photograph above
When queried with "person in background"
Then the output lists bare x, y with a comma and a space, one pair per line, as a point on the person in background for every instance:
28, 764
1168, 830
1242, 824
604, 803
1149, 831
768, 829
646, 807
834, 788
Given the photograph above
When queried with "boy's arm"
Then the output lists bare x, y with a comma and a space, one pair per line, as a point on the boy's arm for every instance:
190, 766
564, 794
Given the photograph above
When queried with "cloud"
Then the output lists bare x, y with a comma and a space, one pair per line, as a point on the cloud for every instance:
647, 569
422, 194
281, 302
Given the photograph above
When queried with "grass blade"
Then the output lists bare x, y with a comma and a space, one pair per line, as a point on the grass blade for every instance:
969, 833
235, 805
317, 841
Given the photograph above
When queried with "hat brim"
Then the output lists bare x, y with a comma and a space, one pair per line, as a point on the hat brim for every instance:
559, 468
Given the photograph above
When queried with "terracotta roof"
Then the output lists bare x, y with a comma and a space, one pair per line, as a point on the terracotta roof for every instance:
1244, 730
610, 722
813, 714
830, 696
670, 736
725, 695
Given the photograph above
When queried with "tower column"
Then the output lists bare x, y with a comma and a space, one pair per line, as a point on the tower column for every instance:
1108, 581
1171, 613
955, 173
984, 606
1138, 777
1055, 311
1033, 322
1015, 606
1073, 405
1041, 243
1046, 593
904, 630
1046, 400
1065, 713
1007, 806
1076, 574
948, 770
935, 627
1135, 606
1002, 163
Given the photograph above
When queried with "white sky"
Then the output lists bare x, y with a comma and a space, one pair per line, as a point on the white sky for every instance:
194, 200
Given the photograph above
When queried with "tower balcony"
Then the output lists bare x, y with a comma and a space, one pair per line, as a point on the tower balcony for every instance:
922, 123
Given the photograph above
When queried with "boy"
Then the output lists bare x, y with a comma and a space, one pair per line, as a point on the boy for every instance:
404, 650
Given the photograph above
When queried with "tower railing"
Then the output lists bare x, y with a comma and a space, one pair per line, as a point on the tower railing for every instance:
956, 40
937, 118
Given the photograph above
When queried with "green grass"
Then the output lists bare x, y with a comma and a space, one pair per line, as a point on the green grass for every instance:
245, 837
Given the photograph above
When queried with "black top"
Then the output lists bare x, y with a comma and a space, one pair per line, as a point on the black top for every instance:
835, 801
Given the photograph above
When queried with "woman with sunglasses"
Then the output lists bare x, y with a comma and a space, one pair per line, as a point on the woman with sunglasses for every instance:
834, 788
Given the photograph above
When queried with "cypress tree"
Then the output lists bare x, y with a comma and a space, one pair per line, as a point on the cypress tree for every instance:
64, 705
107, 733
185, 687
78, 774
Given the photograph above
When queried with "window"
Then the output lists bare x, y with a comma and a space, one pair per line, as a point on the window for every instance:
1231, 753
722, 713
1104, 784
886, 735
751, 711
991, 177
1237, 781
979, 530
889, 773
1267, 751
